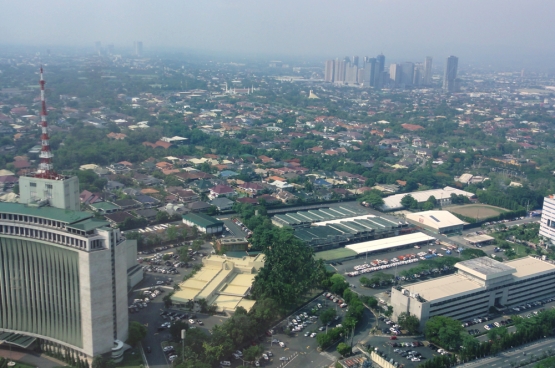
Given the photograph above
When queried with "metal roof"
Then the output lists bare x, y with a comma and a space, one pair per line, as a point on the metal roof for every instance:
66, 216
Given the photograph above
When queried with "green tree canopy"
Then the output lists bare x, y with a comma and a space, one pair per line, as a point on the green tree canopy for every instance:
445, 331
137, 332
409, 322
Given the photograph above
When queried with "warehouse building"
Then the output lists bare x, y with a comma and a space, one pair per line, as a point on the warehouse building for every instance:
442, 196
390, 244
306, 218
440, 222
206, 224
334, 233
479, 284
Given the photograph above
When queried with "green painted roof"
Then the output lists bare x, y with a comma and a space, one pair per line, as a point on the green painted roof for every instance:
106, 206
202, 220
89, 224
66, 216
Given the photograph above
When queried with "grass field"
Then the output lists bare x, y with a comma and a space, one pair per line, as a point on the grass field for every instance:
477, 211
333, 254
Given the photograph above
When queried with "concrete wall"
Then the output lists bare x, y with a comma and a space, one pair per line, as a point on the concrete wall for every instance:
96, 301
123, 250
62, 194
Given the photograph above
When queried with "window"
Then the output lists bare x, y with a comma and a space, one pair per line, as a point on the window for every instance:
48, 186
33, 185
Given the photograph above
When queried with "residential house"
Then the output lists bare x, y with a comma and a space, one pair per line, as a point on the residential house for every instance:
112, 185
198, 206
87, 197
222, 204
148, 214
221, 191
118, 218
286, 197
127, 204
147, 201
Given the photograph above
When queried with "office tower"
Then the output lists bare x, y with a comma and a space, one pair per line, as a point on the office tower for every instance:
139, 48
450, 74
355, 61
418, 73
339, 71
64, 275
407, 73
360, 76
351, 74
395, 75
380, 68
329, 70
369, 72
427, 75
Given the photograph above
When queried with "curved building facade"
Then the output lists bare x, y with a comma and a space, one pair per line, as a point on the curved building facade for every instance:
63, 279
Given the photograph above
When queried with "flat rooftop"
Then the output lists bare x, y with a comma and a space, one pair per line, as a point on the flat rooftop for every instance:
530, 266
485, 268
443, 287
477, 239
387, 243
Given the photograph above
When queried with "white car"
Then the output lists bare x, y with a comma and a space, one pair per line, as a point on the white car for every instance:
282, 344
284, 359
159, 282
225, 363
168, 348
192, 321
265, 356
239, 352
313, 334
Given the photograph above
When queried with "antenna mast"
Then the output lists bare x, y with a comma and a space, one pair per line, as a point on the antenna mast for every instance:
46, 169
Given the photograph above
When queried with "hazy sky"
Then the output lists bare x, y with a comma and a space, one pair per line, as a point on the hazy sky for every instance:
316, 28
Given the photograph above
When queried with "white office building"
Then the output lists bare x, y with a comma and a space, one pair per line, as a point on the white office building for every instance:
547, 224
479, 284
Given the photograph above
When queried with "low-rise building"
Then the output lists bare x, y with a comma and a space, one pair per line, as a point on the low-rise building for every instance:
440, 222
206, 224
478, 285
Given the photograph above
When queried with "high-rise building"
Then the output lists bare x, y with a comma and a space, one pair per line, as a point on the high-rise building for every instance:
450, 74
395, 75
64, 275
418, 71
369, 72
355, 61
329, 71
139, 48
380, 68
351, 74
407, 73
427, 75
339, 71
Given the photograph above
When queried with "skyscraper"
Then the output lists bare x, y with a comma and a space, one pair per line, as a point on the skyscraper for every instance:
139, 48
339, 71
427, 76
395, 75
407, 73
379, 75
450, 74
351, 74
329, 71
370, 72
355, 61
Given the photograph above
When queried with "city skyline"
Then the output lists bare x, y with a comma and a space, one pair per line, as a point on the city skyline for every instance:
249, 28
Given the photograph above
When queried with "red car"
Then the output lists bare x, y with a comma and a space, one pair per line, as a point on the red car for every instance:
393, 337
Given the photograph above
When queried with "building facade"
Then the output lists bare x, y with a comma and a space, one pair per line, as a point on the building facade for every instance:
63, 279
478, 285
60, 193
450, 74
547, 223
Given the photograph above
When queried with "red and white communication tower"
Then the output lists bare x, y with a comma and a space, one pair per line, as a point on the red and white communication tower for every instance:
46, 169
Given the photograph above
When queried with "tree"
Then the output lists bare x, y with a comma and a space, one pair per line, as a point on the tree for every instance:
175, 329
171, 232
408, 201
343, 349
373, 198
444, 331
427, 206
252, 352
338, 284
469, 253
327, 316
290, 269
137, 332
409, 322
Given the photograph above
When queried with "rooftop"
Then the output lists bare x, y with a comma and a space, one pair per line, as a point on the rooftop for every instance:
66, 216
386, 243
435, 219
485, 268
529, 266
443, 287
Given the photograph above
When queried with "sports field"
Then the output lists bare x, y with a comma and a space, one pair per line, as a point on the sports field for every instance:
333, 254
477, 211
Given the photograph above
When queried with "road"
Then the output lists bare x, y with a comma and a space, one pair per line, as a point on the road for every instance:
504, 359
